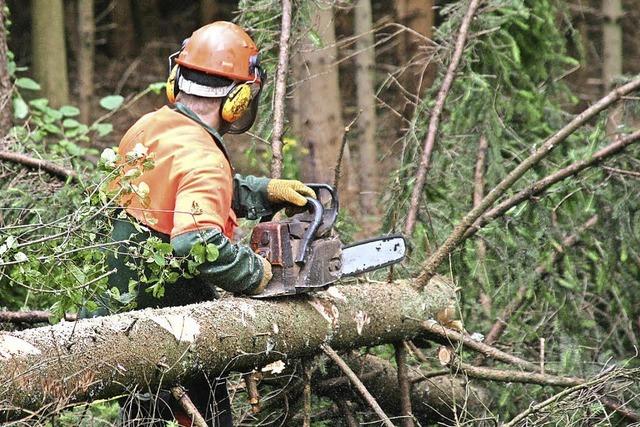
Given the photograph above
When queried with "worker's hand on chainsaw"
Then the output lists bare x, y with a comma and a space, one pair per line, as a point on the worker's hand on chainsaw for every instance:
289, 191
267, 274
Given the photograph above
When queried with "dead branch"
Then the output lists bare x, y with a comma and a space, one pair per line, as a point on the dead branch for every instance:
338, 169
187, 405
404, 385
501, 375
364, 393
38, 164
434, 120
306, 393
560, 396
37, 316
478, 185
450, 336
543, 184
251, 382
619, 171
280, 91
458, 233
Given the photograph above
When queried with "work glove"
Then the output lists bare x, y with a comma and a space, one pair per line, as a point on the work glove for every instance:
267, 274
288, 191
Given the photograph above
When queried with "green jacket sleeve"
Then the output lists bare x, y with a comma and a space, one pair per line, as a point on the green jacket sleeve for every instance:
237, 269
250, 197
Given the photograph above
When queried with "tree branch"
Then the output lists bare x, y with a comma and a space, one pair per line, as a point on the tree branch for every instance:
404, 385
280, 91
33, 163
452, 336
543, 184
508, 376
364, 393
187, 405
434, 120
457, 235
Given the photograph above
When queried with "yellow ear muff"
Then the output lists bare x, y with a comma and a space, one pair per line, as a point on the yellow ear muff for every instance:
172, 85
237, 103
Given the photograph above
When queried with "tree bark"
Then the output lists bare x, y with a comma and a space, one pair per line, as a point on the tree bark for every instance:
123, 35
49, 50
433, 399
611, 42
5, 82
365, 82
93, 358
86, 30
318, 104
418, 15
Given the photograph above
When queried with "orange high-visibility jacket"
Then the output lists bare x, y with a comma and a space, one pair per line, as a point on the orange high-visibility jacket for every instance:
191, 184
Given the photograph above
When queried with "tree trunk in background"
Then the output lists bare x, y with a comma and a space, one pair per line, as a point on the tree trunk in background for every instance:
366, 145
105, 356
318, 106
49, 50
86, 31
420, 17
146, 12
612, 56
123, 43
611, 42
208, 11
5, 81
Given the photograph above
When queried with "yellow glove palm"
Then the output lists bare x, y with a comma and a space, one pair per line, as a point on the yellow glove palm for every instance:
288, 191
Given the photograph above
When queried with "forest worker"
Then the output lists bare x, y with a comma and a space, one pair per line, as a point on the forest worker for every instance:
214, 88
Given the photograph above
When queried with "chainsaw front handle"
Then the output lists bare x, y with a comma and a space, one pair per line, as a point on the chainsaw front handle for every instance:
316, 208
330, 213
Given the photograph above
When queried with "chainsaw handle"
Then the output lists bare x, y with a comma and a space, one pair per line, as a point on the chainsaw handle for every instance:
317, 210
330, 213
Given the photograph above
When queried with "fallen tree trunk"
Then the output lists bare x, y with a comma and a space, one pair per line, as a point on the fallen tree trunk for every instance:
53, 366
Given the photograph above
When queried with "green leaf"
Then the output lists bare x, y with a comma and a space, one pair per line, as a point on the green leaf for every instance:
103, 129
70, 123
111, 102
159, 259
212, 252
69, 111
20, 108
315, 38
27, 83
40, 103
157, 87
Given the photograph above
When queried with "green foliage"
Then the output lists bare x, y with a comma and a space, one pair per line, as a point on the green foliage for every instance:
510, 89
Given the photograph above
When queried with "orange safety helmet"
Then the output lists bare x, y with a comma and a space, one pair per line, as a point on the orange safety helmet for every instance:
222, 49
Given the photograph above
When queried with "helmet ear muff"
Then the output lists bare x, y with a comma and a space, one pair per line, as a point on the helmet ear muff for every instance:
171, 87
236, 103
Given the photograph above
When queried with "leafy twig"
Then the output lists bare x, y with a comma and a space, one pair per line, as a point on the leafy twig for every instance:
458, 233
541, 185
434, 121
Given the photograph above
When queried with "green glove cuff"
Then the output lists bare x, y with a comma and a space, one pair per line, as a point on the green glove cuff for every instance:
237, 269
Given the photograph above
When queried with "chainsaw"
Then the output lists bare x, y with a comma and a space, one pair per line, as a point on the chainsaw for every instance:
306, 254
